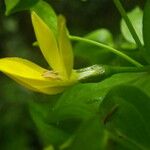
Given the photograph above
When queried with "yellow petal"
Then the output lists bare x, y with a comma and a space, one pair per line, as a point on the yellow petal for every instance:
30, 75
21, 67
45, 90
65, 48
47, 42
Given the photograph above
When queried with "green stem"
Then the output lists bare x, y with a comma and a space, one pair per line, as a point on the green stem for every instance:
115, 69
96, 73
128, 23
115, 51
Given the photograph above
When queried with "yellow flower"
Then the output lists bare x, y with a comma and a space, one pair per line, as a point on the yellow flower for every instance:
57, 52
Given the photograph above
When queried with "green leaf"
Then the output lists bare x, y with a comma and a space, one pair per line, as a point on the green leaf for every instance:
74, 103
18, 5
49, 148
125, 112
92, 135
82, 101
136, 17
146, 30
127, 46
77, 105
92, 54
57, 122
49, 133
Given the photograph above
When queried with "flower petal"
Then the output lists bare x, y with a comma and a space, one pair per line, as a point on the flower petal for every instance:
30, 75
47, 42
45, 90
65, 48
21, 67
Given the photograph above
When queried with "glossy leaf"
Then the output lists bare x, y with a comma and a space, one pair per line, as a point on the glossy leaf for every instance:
49, 148
49, 133
92, 135
74, 103
18, 5
125, 112
75, 107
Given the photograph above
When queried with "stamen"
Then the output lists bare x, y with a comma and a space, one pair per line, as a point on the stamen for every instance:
51, 74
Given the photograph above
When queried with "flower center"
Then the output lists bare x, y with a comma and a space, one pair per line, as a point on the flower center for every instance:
51, 75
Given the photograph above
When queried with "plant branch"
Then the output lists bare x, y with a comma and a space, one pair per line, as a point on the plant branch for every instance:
128, 23
113, 50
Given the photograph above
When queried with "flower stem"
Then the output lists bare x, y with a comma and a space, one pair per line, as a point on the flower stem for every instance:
96, 73
128, 23
113, 50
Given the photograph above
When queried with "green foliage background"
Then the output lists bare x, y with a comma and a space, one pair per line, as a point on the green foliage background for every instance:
75, 119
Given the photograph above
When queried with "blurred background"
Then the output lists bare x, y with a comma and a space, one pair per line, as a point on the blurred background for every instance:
17, 129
